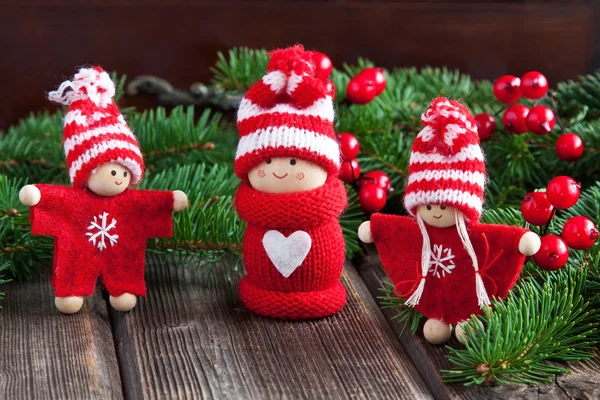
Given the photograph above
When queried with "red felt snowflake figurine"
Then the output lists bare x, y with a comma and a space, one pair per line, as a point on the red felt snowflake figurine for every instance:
288, 159
445, 263
100, 226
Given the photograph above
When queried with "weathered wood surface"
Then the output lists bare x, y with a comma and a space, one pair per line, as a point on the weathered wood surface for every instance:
584, 382
191, 340
47, 355
430, 359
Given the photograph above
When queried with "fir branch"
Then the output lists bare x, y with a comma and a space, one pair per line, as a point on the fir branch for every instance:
210, 225
173, 151
583, 92
195, 246
181, 137
510, 342
240, 69
3, 267
20, 251
408, 316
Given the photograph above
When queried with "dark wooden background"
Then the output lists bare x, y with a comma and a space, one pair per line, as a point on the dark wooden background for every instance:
42, 41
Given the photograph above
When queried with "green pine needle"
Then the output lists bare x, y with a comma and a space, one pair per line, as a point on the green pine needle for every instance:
408, 316
535, 323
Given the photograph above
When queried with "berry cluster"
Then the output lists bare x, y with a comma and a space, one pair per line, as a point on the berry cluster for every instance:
518, 119
373, 187
539, 208
364, 87
323, 69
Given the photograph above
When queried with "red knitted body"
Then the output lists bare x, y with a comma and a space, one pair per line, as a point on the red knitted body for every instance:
67, 214
451, 296
313, 290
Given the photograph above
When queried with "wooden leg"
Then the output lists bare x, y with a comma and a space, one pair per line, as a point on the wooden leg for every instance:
436, 331
124, 302
68, 305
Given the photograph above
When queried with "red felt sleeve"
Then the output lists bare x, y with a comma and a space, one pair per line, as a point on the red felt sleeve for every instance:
399, 243
47, 217
155, 212
498, 249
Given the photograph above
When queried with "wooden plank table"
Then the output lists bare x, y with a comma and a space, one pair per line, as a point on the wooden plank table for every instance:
44, 354
191, 338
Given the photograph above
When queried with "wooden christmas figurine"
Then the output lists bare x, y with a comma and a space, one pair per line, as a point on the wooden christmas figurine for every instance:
100, 226
288, 160
443, 262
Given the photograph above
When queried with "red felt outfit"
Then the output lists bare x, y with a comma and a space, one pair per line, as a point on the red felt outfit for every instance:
313, 289
74, 217
449, 293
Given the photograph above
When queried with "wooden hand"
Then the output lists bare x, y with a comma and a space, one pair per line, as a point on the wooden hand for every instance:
30, 195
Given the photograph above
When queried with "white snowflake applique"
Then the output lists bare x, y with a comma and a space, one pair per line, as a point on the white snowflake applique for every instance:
442, 261
100, 231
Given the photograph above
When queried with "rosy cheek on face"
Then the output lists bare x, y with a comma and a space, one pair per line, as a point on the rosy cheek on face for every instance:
261, 173
300, 176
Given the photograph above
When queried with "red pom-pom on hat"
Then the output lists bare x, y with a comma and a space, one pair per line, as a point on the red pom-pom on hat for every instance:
447, 165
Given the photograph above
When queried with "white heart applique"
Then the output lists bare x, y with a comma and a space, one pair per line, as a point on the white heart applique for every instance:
287, 253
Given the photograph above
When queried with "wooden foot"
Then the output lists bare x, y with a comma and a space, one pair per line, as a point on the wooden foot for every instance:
124, 302
436, 331
68, 305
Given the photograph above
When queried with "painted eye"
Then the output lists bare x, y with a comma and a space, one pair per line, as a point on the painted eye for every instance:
293, 161
442, 207
113, 172
429, 207
125, 174
268, 161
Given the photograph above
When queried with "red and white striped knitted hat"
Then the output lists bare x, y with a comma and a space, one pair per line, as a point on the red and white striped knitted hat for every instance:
95, 132
447, 165
288, 113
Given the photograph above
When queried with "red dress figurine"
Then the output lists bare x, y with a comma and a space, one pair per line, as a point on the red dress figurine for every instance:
443, 262
99, 225
290, 196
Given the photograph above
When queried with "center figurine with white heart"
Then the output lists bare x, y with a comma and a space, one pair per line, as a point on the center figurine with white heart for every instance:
444, 262
288, 159
99, 225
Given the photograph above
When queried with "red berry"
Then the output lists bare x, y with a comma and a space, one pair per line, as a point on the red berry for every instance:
540, 120
553, 253
486, 126
580, 233
360, 90
350, 171
563, 192
375, 75
534, 85
323, 65
349, 146
376, 178
372, 198
507, 89
536, 208
569, 147
514, 118
329, 88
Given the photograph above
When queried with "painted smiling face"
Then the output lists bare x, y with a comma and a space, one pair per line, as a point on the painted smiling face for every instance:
109, 179
286, 175
437, 215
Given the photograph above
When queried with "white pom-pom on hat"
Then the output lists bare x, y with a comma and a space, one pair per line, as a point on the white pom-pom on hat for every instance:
91, 83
